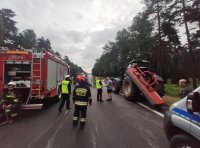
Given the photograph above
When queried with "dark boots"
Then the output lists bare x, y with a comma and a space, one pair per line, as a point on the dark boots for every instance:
75, 122
82, 125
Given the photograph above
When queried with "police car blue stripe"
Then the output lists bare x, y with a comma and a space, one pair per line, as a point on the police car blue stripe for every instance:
186, 114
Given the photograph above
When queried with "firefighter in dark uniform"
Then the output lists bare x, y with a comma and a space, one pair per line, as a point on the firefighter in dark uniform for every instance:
11, 102
66, 91
81, 98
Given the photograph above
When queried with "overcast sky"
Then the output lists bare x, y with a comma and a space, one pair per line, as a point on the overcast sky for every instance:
76, 28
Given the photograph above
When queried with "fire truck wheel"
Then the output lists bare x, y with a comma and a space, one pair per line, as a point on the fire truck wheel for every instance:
116, 87
129, 90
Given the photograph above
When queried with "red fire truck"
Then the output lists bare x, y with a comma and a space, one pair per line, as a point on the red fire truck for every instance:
37, 75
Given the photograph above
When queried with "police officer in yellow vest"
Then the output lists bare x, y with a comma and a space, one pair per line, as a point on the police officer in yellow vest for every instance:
66, 91
81, 98
99, 89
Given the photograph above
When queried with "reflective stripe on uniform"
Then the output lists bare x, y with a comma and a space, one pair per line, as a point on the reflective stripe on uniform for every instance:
16, 100
81, 92
7, 110
10, 96
82, 119
13, 114
75, 118
81, 103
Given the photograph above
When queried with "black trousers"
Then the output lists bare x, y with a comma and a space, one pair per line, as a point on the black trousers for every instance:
65, 98
80, 111
99, 94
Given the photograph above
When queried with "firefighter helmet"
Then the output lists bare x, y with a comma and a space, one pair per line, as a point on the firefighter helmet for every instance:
67, 76
80, 78
11, 83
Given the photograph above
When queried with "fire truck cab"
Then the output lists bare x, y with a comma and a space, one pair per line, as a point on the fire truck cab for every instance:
37, 75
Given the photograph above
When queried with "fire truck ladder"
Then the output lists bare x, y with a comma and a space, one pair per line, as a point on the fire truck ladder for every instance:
36, 79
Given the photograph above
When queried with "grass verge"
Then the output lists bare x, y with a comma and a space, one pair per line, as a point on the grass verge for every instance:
172, 90
170, 100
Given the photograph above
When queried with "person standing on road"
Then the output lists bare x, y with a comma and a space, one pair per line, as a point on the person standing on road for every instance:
99, 87
185, 89
81, 98
109, 89
66, 91
11, 102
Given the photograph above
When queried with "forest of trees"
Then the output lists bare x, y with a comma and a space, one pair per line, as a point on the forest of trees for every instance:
27, 39
166, 33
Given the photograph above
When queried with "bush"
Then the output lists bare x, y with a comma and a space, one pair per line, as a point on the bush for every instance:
172, 89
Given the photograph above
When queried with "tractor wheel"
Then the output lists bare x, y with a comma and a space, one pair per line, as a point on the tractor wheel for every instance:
116, 87
129, 90
160, 89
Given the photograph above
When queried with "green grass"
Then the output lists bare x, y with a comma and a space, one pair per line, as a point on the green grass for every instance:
170, 100
171, 93
172, 90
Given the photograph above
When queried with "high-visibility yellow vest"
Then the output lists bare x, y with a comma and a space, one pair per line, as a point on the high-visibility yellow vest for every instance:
65, 84
98, 86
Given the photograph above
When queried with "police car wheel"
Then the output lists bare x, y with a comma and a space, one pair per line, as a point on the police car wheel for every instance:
183, 141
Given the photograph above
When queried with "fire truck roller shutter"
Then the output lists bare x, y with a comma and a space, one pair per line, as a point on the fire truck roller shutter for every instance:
60, 73
60, 77
51, 74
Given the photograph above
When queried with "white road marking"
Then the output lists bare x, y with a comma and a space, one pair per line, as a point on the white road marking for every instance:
93, 140
96, 127
42, 133
51, 139
66, 112
152, 110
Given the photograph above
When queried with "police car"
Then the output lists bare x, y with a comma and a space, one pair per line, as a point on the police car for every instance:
182, 122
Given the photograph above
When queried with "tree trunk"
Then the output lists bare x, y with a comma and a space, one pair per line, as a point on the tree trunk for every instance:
160, 57
189, 46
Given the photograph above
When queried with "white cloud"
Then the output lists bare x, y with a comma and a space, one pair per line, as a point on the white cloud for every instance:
78, 28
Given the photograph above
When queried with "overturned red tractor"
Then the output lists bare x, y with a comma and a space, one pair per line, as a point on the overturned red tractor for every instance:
139, 81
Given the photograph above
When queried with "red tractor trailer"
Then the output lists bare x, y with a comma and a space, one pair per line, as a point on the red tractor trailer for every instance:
37, 75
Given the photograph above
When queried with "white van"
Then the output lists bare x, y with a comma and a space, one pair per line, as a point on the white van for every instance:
182, 122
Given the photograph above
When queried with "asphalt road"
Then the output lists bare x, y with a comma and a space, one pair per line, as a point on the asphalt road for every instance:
116, 124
